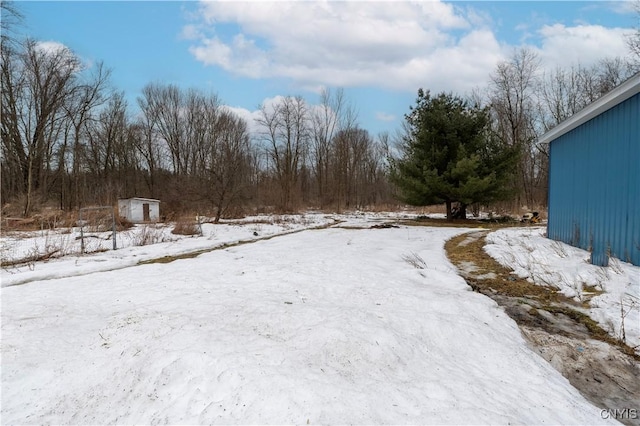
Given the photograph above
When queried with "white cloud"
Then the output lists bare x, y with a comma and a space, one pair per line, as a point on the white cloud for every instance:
581, 44
212, 52
623, 7
54, 48
50, 47
392, 45
398, 45
383, 116
191, 32
252, 117
249, 117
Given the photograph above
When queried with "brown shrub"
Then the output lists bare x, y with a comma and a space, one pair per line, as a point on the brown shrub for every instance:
184, 227
122, 224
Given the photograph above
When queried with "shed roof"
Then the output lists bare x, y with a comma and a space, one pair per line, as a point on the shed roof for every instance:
140, 199
616, 96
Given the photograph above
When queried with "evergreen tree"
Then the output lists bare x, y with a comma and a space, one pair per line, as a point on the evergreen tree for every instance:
449, 155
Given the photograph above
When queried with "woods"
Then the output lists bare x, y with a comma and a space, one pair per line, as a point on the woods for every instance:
70, 139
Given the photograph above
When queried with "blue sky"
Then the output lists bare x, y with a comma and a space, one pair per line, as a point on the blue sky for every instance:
380, 53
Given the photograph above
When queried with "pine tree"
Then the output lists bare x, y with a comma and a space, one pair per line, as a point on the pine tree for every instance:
449, 155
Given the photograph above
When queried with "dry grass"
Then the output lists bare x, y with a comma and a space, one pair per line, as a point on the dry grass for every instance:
185, 227
505, 282
47, 219
460, 223
415, 260
122, 224
592, 326
589, 292
195, 253
461, 251
147, 235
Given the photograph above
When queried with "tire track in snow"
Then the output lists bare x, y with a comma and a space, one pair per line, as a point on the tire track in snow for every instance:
169, 258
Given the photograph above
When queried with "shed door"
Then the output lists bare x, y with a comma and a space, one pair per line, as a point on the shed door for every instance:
145, 212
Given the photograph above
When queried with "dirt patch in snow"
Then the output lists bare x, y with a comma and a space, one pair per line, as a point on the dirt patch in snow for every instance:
196, 253
603, 369
607, 377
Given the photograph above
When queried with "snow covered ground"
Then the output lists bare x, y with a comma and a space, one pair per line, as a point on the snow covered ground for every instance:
158, 241
322, 326
555, 264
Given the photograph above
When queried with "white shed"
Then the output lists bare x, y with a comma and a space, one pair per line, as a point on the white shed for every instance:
139, 210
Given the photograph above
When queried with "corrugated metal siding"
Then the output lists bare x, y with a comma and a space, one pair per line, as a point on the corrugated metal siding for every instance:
594, 185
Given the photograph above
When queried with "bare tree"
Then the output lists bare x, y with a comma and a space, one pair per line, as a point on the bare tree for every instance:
228, 171
85, 97
286, 131
633, 42
13, 153
144, 134
351, 148
375, 186
180, 120
333, 115
513, 103
37, 84
164, 107
525, 104
11, 18
149, 152
561, 95
110, 155
201, 113
564, 92
611, 73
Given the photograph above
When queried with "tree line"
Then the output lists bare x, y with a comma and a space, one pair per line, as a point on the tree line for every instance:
70, 140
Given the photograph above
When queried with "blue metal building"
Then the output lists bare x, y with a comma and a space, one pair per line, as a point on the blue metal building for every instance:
594, 177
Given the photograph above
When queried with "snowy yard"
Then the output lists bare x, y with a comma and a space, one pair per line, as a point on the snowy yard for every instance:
322, 326
138, 244
613, 292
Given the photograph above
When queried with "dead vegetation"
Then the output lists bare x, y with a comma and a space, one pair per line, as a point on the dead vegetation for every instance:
464, 251
47, 218
496, 223
555, 326
488, 277
196, 253
187, 227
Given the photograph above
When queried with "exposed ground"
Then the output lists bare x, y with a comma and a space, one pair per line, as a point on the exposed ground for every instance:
603, 369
